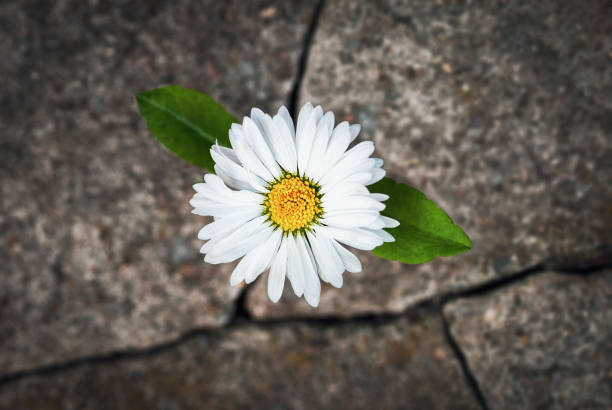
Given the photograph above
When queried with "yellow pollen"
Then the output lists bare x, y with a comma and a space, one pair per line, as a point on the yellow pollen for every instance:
292, 203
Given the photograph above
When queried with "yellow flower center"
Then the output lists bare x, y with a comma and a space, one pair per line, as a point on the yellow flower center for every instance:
293, 203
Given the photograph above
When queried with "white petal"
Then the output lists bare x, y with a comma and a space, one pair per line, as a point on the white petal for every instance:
351, 159
351, 262
317, 155
303, 117
235, 233
386, 236
380, 197
295, 272
338, 144
215, 182
256, 261
209, 195
344, 189
227, 224
245, 264
316, 250
375, 224
268, 131
354, 131
351, 202
239, 249
350, 219
239, 242
377, 175
330, 265
276, 278
260, 143
304, 140
248, 157
312, 285
357, 238
232, 182
199, 186
346, 167
382, 234
285, 145
284, 114
230, 170
362, 150
220, 211
254, 181
317, 113
264, 258
357, 178
389, 222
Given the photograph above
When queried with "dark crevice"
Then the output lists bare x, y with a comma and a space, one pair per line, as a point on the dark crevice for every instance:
242, 317
434, 302
127, 354
241, 312
331, 320
589, 266
303, 60
492, 285
583, 271
584, 262
469, 377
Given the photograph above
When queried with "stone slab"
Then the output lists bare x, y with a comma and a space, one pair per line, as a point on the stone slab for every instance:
542, 343
403, 364
499, 112
98, 246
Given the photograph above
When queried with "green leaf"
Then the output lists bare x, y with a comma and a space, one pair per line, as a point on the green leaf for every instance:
187, 122
425, 231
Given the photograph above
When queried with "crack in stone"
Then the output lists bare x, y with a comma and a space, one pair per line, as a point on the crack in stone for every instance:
127, 354
241, 312
492, 285
242, 317
585, 262
460, 356
237, 322
303, 60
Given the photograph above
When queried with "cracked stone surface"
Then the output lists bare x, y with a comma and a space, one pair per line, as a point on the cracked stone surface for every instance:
405, 364
542, 343
501, 113
98, 246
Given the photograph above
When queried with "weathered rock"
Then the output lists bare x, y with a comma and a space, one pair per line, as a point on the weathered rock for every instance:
98, 246
543, 343
404, 364
499, 113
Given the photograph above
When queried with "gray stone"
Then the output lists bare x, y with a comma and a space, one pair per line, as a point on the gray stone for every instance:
543, 343
499, 113
98, 246
403, 364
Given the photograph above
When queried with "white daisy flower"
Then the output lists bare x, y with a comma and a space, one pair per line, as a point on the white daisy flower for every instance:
286, 198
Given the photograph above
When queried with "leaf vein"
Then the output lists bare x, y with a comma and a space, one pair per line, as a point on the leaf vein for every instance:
179, 118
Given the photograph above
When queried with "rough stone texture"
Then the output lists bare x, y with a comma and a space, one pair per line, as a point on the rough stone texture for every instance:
499, 112
545, 343
405, 364
97, 243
